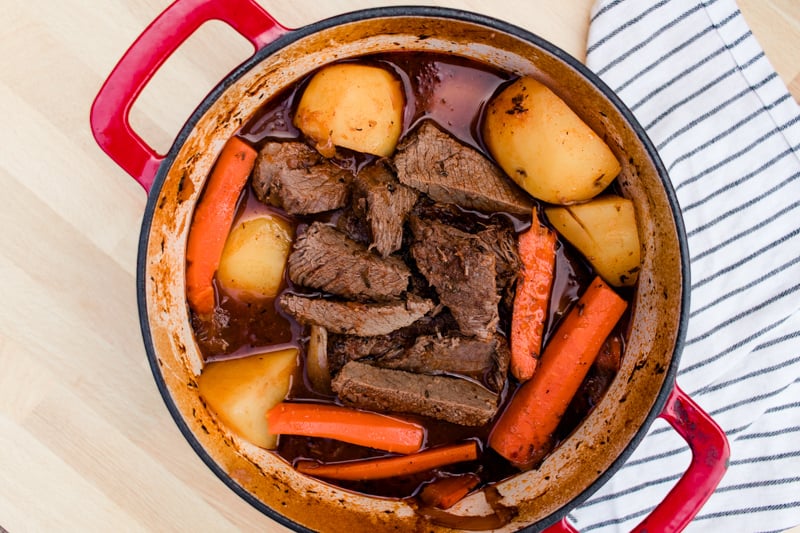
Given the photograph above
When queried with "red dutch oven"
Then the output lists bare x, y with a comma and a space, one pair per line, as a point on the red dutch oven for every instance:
644, 388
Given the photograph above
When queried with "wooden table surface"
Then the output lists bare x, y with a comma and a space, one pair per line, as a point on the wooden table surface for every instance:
86, 443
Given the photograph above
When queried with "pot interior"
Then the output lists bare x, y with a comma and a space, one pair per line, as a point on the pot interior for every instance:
578, 466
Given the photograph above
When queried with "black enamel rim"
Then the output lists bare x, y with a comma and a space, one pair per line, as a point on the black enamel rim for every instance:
408, 11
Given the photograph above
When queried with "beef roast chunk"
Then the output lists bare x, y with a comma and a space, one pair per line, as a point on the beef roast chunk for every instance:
344, 348
462, 270
355, 318
384, 203
449, 214
497, 233
498, 375
295, 177
353, 225
354, 347
453, 354
325, 258
436, 355
437, 164
453, 399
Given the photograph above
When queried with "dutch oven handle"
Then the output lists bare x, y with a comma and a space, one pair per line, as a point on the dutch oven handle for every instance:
710, 452
111, 107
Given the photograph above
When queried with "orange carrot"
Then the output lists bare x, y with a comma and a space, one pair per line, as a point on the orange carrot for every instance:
384, 467
445, 492
212, 221
364, 428
523, 433
537, 250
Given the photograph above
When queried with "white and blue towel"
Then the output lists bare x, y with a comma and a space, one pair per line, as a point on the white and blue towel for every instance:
728, 131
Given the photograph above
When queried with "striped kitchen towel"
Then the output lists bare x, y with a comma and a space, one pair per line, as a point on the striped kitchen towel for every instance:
728, 132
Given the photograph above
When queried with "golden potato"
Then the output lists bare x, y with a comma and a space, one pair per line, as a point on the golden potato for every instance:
604, 231
241, 391
545, 147
254, 256
359, 107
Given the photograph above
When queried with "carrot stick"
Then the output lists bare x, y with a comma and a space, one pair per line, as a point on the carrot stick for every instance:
537, 250
212, 221
383, 467
523, 434
348, 425
445, 492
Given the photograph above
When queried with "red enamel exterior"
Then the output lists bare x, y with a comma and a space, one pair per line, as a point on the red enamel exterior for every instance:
710, 453
109, 114
113, 132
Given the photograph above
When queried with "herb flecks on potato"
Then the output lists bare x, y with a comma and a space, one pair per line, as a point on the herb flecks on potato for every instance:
354, 106
545, 147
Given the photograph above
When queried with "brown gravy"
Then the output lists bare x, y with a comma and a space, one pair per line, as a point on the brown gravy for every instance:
452, 91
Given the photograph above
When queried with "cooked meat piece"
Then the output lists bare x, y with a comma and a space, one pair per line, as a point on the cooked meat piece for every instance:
378, 345
437, 164
344, 348
597, 381
498, 375
384, 203
435, 355
351, 347
325, 258
496, 232
351, 224
355, 318
455, 400
449, 214
503, 242
294, 176
453, 354
462, 270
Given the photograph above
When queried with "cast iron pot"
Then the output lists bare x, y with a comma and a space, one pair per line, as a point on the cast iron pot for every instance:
644, 388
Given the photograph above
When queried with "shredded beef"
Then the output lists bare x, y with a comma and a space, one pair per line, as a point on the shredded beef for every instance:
463, 270
384, 203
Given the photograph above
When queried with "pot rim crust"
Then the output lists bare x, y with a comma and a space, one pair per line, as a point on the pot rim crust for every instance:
459, 16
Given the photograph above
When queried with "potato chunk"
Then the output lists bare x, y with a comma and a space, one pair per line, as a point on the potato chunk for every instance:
604, 231
241, 391
359, 107
255, 254
545, 147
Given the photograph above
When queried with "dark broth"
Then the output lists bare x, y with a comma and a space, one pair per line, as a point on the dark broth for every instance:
452, 91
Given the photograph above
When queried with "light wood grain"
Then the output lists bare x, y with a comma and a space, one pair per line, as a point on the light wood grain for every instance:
87, 444
776, 25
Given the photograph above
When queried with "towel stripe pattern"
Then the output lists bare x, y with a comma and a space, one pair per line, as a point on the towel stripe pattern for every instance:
728, 131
